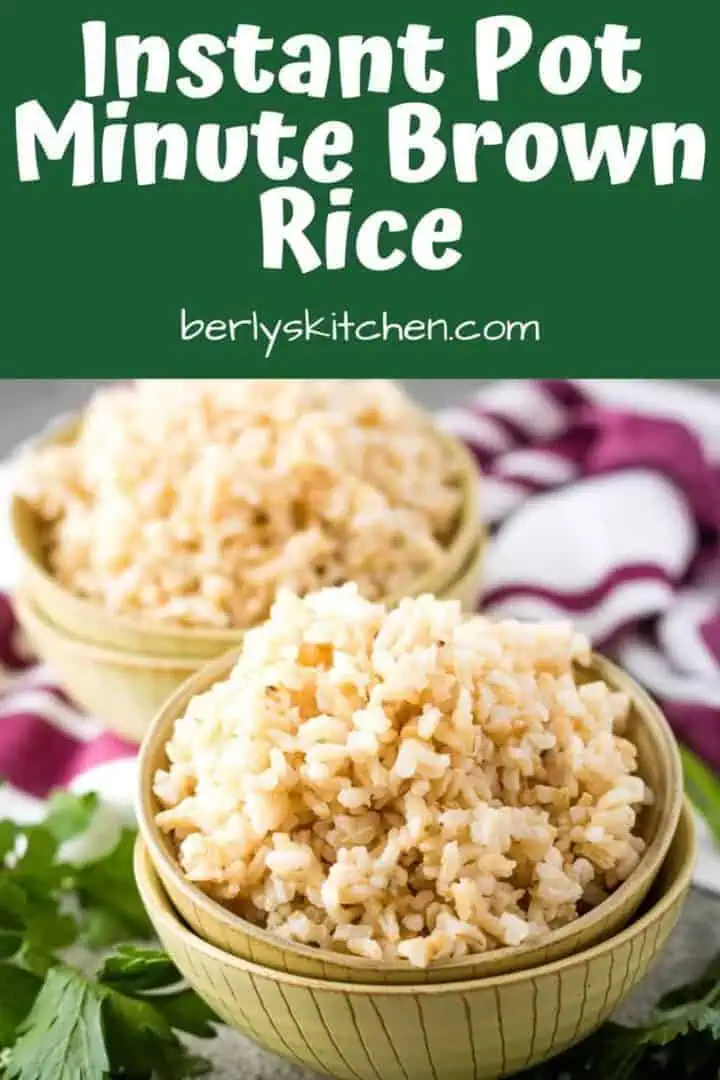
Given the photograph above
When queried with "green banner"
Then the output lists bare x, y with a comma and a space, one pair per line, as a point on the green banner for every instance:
382, 189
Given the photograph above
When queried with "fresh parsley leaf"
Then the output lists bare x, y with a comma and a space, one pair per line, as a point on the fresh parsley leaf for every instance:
36, 959
12, 904
622, 1053
35, 914
99, 928
49, 929
9, 944
703, 787
30, 891
185, 1011
108, 884
694, 1008
57, 1023
133, 970
69, 815
18, 990
35, 887
80, 1029
142, 1043
681, 1021
8, 835
62, 1036
138, 972
37, 862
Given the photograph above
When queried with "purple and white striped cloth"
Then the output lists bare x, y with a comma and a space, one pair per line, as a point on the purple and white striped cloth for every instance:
603, 501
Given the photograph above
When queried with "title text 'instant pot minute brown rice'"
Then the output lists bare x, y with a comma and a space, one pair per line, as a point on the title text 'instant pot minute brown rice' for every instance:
190, 502
408, 784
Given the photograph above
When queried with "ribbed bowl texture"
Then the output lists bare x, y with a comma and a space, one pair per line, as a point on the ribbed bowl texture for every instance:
484, 1028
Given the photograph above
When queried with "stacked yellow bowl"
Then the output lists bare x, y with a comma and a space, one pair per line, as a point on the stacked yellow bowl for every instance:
121, 667
487, 1015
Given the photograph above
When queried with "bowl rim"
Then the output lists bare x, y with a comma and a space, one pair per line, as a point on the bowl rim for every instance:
468, 538
155, 898
161, 851
30, 613
24, 600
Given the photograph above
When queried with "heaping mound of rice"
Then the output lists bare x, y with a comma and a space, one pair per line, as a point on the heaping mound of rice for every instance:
191, 502
413, 783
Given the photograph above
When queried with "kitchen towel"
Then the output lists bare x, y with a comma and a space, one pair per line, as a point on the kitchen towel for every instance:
602, 499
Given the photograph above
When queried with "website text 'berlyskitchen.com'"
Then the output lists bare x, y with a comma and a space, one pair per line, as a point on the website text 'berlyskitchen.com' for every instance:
341, 327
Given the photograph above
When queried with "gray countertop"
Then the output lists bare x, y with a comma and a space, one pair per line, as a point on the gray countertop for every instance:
25, 406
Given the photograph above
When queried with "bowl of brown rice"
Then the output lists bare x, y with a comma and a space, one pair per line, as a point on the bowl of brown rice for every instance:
407, 794
482, 1028
163, 519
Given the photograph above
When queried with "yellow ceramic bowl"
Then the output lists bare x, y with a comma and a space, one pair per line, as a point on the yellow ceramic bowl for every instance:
480, 1029
659, 765
457, 569
122, 690
125, 689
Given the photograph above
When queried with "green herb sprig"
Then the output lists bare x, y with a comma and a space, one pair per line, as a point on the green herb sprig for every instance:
703, 788
58, 1020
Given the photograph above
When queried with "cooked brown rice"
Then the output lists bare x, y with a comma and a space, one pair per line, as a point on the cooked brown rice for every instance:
191, 502
412, 783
